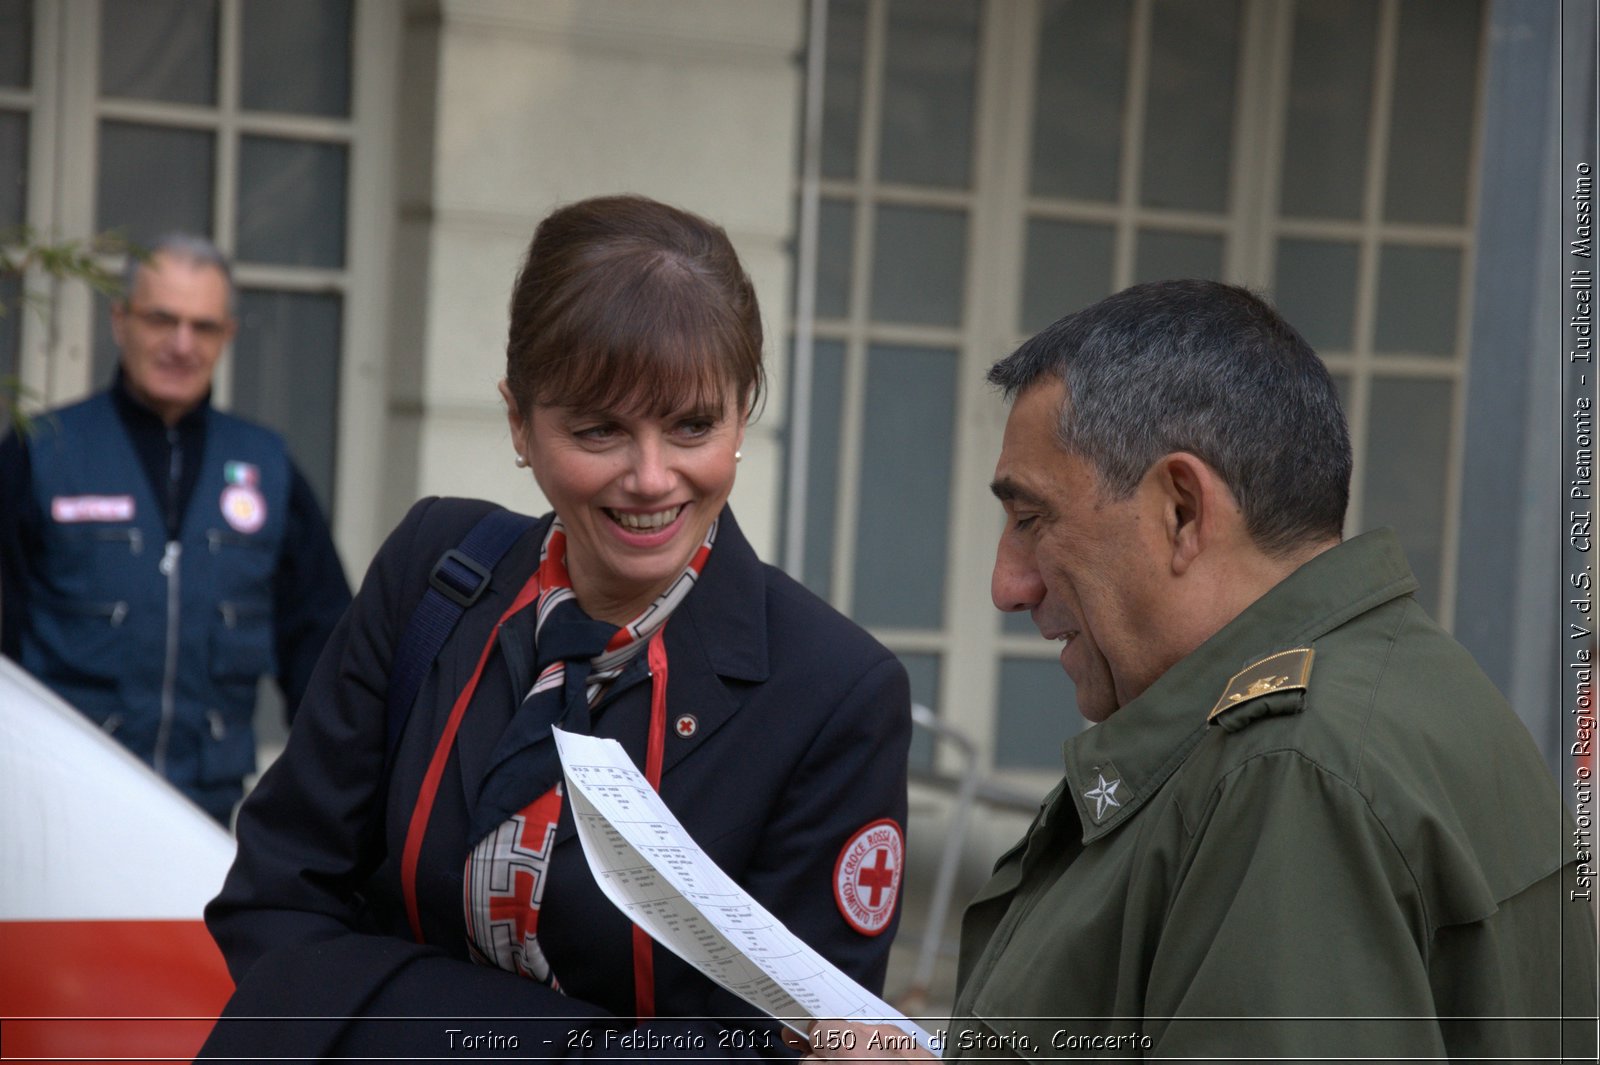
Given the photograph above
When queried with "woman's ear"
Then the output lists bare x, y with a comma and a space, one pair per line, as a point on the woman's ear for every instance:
516, 423
744, 421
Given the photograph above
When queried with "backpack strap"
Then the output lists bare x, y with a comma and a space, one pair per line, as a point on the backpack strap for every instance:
458, 579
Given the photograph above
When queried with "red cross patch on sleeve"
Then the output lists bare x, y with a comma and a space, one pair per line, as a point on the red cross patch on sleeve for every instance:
866, 878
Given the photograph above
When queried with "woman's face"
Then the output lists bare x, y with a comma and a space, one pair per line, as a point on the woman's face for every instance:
635, 492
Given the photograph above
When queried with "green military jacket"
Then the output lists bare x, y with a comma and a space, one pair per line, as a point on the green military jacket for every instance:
1322, 834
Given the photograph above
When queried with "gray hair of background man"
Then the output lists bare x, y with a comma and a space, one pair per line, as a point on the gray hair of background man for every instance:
185, 248
1206, 368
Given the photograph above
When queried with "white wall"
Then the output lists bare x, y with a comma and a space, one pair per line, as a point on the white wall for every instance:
510, 108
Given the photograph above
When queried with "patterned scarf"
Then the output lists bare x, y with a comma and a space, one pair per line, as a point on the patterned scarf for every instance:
514, 820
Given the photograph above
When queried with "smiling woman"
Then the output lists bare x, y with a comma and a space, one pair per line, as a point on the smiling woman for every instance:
637, 493
633, 362
775, 729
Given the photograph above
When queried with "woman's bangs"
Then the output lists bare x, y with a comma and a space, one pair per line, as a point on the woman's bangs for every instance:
639, 383
645, 364
646, 337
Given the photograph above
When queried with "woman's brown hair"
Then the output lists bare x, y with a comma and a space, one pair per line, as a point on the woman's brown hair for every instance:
624, 303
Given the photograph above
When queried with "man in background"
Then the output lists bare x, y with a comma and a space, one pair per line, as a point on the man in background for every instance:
1305, 823
158, 556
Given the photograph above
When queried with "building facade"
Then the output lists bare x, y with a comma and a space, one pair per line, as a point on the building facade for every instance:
915, 186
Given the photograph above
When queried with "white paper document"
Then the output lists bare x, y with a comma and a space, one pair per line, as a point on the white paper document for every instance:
650, 868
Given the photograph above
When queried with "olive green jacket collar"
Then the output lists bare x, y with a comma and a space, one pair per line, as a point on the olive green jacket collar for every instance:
1115, 766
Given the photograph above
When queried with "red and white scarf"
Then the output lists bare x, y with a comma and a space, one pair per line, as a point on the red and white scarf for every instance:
508, 868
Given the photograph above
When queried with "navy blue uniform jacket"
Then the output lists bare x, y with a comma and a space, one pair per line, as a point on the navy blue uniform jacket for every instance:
802, 732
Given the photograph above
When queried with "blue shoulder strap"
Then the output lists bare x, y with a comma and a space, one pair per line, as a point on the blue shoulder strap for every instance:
459, 577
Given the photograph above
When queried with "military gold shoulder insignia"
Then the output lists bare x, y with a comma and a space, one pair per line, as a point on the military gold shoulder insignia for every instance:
1284, 671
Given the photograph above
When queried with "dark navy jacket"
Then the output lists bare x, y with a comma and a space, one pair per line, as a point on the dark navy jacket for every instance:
159, 641
802, 732
308, 590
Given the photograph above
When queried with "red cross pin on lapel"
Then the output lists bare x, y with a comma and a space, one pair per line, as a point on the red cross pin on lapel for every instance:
686, 725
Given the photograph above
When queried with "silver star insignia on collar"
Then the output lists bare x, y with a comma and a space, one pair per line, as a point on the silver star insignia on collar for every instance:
1103, 795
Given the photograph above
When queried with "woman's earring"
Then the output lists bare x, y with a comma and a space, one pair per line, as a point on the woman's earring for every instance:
738, 456
521, 462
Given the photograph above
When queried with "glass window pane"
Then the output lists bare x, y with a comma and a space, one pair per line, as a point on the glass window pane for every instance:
1068, 266
930, 67
104, 355
1020, 624
1188, 137
1330, 100
822, 470
291, 202
835, 246
286, 375
13, 169
154, 180
1435, 94
1164, 255
1315, 289
841, 87
1342, 383
16, 43
294, 55
159, 50
1419, 292
904, 514
1079, 93
1406, 467
923, 669
919, 262
1037, 712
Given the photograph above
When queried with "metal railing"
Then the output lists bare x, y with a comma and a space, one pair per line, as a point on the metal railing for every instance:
970, 789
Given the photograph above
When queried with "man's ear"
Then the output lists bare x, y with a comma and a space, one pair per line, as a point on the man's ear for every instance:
1198, 509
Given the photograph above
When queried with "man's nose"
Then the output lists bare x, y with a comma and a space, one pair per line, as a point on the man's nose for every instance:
184, 338
1015, 584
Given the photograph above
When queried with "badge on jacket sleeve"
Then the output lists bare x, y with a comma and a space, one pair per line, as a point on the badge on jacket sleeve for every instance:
243, 506
866, 878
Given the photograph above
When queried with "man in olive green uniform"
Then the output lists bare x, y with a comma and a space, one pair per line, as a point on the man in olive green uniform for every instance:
1306, 824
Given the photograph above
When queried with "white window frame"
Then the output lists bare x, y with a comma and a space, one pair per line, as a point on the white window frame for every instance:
971, 642
56, 361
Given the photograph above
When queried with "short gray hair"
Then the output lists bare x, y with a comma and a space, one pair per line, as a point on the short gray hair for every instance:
1207, 368
184, 247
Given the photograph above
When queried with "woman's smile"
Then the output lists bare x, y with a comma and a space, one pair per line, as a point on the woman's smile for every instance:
637, 493
644, 521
